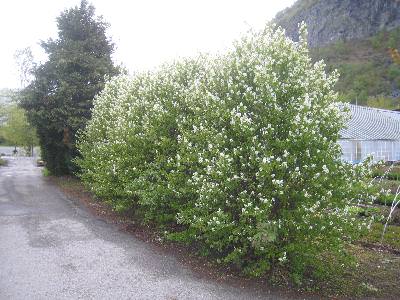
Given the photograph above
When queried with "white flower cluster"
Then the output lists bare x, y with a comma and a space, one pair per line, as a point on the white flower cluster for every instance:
240, 149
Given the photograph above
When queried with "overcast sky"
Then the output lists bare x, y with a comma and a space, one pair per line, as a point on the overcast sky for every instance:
146, 33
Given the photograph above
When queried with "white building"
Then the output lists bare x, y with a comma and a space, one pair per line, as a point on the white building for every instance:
371, 131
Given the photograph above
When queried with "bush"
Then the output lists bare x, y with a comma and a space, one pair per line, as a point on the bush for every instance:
239, 150
130, 145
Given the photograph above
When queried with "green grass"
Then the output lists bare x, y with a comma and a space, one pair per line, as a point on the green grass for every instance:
377, 260
375, 275
391, 238
381, 211
69, 182
2, 162
377, 265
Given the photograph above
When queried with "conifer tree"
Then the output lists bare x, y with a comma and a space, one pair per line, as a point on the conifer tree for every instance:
60, 97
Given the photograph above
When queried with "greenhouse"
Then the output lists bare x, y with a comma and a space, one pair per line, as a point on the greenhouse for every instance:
371, 131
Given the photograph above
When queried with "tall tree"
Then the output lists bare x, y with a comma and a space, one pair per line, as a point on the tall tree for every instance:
60, 97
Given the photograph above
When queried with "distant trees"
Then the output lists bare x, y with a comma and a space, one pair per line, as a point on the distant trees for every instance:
16, 130
59, 98
2, 120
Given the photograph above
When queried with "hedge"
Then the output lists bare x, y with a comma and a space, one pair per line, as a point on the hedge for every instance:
236, 153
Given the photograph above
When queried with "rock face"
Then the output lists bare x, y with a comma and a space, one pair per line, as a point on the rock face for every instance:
333, 20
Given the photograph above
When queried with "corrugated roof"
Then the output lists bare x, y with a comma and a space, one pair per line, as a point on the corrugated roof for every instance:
369, 123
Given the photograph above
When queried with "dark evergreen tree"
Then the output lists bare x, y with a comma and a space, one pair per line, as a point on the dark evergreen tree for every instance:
59, 99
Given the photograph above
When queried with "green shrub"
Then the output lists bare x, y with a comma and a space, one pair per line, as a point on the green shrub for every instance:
46, 172
130, 145
385, 199
239, 150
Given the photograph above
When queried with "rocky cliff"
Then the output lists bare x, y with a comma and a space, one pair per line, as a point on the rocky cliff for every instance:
340, 20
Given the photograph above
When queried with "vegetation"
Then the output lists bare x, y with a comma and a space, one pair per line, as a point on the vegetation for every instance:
236, 154
297, 8
59, 98
5, 96
5, 100
369, 72
391, 237
374, 273
15, 130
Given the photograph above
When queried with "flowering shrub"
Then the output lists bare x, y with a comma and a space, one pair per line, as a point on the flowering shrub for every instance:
241, 150
130, 146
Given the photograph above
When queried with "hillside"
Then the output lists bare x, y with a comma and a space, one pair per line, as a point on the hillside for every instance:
353, 36
368, 74
340, 20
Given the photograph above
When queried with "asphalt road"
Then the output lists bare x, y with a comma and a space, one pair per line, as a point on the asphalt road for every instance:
51, 248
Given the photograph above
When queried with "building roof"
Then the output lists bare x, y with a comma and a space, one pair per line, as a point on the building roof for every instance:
367, 123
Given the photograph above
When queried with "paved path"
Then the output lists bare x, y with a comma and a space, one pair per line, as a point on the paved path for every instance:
50, 248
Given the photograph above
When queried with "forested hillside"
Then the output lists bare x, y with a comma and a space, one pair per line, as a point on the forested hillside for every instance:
354, 37
369, 76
